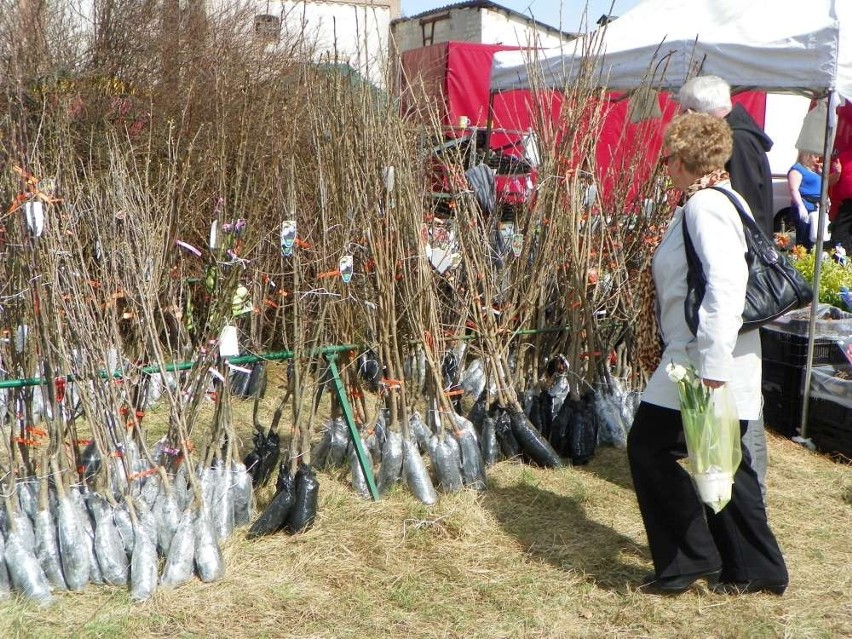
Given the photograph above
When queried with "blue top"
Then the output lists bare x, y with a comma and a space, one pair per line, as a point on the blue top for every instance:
810, 186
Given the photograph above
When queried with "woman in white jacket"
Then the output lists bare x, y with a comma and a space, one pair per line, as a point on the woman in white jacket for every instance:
734, 550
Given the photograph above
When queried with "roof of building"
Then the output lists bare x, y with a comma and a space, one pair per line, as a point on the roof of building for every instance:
487, 4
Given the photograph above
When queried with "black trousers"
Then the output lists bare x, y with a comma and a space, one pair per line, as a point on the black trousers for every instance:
685, 536
841, 228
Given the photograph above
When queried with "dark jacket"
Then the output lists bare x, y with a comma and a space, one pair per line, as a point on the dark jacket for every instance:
751, 176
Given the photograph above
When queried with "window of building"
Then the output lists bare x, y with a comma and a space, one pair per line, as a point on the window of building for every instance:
267, 27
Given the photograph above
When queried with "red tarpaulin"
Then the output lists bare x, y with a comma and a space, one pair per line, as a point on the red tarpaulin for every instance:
452, 79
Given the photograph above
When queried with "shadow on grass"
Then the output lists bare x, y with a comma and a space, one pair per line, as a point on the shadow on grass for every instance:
554, 528
610, 464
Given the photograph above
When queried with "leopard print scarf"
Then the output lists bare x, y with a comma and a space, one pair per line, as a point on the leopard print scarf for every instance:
649, 350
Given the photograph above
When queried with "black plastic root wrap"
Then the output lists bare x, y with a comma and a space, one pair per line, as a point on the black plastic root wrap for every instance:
209, 563
505, 437
73, 544
391, 469
583, 432
488, 445
415, 473
143, 566
47, 549
304, 510
109, 549
359, 478
274, 516
419, 431
242, 494
541, 412
5, 581
180, 561
535, 447
562, 425
478, 412
472, 464
270, 452
339, 433
24, 570
446, 460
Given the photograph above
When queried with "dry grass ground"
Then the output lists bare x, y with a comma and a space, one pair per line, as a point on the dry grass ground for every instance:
542, 553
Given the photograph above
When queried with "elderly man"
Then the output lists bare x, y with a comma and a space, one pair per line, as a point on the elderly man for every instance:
749, 168
751, 177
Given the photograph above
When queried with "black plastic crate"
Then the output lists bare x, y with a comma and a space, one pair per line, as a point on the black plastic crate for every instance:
785, 379
782, 413
830, 427
789, 348
782, 396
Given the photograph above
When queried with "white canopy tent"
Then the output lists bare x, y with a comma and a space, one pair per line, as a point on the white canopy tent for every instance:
770, 45
767, 44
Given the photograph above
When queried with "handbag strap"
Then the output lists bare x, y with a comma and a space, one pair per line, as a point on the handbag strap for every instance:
758, 244
693, 262
755, 238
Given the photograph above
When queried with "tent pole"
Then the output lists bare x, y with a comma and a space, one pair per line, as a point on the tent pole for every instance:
489, 126
830, 126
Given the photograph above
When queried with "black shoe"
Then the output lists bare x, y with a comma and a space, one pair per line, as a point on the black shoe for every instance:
678, 584
744, 587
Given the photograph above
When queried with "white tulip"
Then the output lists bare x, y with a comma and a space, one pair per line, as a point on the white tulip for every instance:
676, 372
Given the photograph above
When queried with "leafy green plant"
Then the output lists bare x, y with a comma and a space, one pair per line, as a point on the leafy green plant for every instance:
833, 276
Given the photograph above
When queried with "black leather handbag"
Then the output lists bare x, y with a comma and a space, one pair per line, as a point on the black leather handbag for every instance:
774, 285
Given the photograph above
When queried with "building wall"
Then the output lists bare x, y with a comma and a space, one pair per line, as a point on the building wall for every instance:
355, 33
478, 25
500, 28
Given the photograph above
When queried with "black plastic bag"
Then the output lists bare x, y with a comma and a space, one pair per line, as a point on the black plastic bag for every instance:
304, 510
339, 443
534, 446
561, 427
390, 471
251, 384
505, 436
90, 460
540, 412
472, 464
415, 474
375, 441
478, 412
488, 442
269, 456
419, 431
583, 432
446, 461
274, 516
252, 459
359, 475
370, 370
25, 573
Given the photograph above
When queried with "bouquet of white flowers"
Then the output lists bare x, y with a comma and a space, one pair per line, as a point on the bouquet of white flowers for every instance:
712, 432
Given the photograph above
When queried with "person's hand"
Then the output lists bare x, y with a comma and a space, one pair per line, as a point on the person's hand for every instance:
712, 383
803, 213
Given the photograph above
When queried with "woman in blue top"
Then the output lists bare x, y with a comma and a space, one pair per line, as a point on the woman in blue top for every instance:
805, 181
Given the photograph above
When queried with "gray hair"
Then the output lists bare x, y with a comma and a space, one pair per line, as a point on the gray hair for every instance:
705, 94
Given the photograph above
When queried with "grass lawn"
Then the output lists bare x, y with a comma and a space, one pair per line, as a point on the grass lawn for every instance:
542, 553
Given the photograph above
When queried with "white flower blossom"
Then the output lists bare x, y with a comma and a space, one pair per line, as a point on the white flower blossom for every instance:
676, 372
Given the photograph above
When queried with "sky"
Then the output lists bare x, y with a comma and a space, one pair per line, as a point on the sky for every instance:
566, 14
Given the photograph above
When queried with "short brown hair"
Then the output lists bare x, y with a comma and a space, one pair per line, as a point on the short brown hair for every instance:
702, 142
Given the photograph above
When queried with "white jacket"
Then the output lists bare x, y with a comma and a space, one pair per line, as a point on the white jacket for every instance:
718, 351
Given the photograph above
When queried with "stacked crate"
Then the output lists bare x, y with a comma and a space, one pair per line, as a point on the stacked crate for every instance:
784, 361
830, 410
